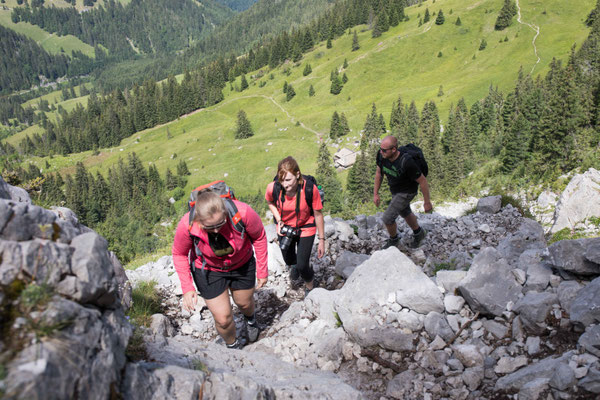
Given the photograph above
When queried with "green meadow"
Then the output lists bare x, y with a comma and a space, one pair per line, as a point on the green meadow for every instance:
52, 43
404, 61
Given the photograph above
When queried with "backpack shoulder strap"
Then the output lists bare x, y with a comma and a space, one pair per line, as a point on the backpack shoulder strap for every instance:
234, 216
308, 194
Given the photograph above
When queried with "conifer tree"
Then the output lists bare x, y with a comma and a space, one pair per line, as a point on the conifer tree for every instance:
345, 65
244, 129
290, 93
311, 91
327, 178
355, 44
171, 180
458, 22
307, 70
334, 130
483, 45
427, 16
244, 84
182, 169
285, 87
513, 149
329, 45
441, 91
507, 12
344, 78
376, 32
440, 18
336, 85
344, 128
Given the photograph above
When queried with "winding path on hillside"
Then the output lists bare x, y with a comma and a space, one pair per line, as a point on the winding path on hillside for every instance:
224, 103
536, 29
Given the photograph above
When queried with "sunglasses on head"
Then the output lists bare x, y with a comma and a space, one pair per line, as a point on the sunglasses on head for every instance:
215, 226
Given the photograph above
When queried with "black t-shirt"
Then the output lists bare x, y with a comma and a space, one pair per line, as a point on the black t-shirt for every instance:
401, 174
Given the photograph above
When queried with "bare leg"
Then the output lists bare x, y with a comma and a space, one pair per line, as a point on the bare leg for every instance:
244, 299
220, 308
411, 220
392, 229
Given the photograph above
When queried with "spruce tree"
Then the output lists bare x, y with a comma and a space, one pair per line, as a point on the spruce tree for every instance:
344, 128
344, 78
440, 18
244, 129
334, 130
327, 178
345, 65
507, 12
285, 87
483, 45
182, 169
329, 45
336, 85
290, 93
458, 22
307, 70
311, 91
376, 32
170, 180
355, 44
427, 16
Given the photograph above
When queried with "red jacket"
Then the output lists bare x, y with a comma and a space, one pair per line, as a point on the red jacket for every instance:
242, 248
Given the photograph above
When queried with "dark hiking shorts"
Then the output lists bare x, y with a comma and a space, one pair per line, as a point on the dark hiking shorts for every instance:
400, 205
211, 284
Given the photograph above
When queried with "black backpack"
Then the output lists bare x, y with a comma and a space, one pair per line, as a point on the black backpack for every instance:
311, 183
417, 154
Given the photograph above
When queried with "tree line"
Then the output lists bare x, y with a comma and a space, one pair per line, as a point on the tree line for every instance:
24, 61
149, 26
109, 119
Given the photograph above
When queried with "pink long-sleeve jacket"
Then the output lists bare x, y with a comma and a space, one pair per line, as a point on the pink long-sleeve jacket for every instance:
254, 236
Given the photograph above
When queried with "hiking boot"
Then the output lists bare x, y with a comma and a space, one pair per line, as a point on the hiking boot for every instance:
307, 290
235, 345
418, 238
391, 242
253, 332
294, 273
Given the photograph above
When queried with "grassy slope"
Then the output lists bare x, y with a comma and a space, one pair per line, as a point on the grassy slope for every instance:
50, 42
403, 61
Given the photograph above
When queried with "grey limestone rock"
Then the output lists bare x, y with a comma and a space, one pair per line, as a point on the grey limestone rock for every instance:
161, 325
468, 354
578, 201
94, 270
401, 386
14, 193
495, 328
377, 279
453, 304
529, 236
585, 308
569, 255
490, 204
534, 389
507, 365
590, 340
543, 369
489, 284
347, 263
436, 325
534, 308
449, 279
592, 253
154, 382
538, 276
567, 292
563, 377
591, 382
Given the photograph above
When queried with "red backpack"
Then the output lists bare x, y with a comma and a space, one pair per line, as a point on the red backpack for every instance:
226, 192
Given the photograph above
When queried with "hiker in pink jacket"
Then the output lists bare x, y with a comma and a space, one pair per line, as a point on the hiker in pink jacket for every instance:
226, 263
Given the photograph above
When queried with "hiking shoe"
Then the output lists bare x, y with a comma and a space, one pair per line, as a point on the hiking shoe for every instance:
392, 242
253, 332
307, 290
418, 238
294, 273
235, 345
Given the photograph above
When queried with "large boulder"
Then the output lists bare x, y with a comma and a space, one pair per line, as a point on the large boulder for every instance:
533, 309
529, 236
69, 336
490, 204
543, 369
388, 277
489, 284
14, 193
578, 201
232, 374
575, 256
585, 308
347, 263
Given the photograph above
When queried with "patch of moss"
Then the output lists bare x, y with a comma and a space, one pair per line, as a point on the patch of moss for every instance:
565, 234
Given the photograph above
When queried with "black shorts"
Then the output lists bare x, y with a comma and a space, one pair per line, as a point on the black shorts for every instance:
211, 284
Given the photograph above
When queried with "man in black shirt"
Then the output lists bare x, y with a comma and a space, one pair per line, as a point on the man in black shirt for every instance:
404, 178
